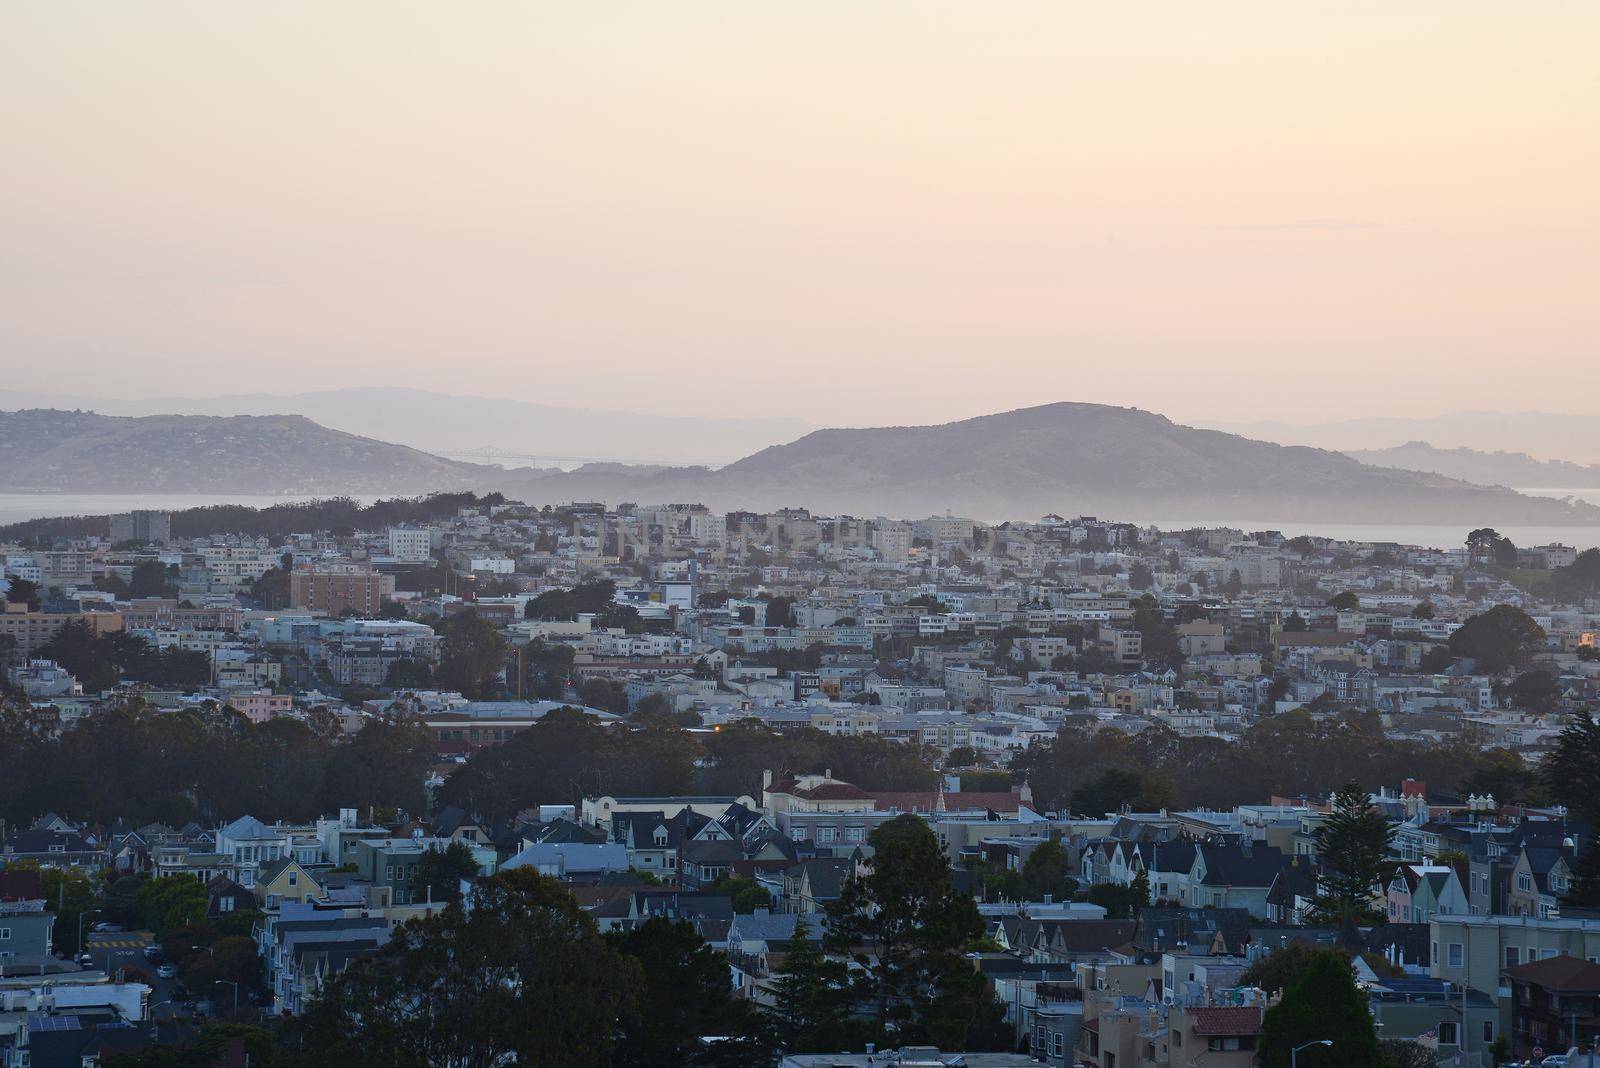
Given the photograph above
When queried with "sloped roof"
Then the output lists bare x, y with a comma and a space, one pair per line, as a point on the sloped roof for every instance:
1227, 1020
1572, 975
833, 791
246, 827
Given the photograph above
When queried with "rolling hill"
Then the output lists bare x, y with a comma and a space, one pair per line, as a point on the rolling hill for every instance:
1544, 435
1067, 457
1485, 468
463, 425
45, 450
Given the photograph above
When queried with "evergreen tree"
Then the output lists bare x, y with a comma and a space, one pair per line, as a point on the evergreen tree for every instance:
1585, 889
685, 997
1324, 1004
811, 997
907, 926
1572, 770
1351, 845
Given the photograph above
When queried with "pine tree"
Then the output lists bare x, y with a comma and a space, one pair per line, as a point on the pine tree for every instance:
906, 926
811, 997
1585, 889
1351, 846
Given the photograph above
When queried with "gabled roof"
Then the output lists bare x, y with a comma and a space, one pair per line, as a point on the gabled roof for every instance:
1165, 928
824, 876
1088, 936
1230, 865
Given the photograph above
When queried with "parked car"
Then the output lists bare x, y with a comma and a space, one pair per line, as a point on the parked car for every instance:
109, 928
152, 952
166, 971
84, 960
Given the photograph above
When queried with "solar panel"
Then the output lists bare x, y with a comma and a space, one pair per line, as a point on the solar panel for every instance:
40, 1022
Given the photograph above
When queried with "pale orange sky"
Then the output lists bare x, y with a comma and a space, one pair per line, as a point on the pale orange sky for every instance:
854, 212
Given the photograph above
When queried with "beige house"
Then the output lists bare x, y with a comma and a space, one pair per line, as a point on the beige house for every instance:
285, 880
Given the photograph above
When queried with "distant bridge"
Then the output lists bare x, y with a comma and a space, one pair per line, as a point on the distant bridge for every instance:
491, 455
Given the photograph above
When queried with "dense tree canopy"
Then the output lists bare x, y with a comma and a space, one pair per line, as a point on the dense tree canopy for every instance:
521, 977
1324, 1003
568, 755
1578, 580
472, 656
1502, 638
101, 661
135, 762
1292, 754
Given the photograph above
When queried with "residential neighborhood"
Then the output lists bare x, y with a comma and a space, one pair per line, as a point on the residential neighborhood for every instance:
1135, 753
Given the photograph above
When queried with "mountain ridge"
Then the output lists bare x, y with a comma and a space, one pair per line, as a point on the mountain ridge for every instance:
45, 450
1070, 456
1498, 468
463, 424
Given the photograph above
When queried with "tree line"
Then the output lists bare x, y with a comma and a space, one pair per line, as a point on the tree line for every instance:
337, 515
100, 661
134, 762
1291, 755
568, 755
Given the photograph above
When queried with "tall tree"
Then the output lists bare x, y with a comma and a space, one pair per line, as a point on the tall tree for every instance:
1324, 1004
1572, 770
522, 977
1047, 871
812, 997
1351, 845
24, 592
472, 656
1502, 638
906, 924
440, 872
688, 996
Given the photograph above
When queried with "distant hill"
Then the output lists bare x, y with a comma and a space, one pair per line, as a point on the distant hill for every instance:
46, 450
1067, 458
1487, 468
1543, 435
452, 424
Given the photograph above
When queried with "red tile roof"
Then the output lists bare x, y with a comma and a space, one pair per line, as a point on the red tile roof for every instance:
1227, 1020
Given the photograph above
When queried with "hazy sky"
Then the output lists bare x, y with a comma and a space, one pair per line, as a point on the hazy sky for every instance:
855, 212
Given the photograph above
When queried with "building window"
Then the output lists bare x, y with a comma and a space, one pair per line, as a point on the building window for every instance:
1488, 1031
1525, 882
1454, 958
1449, 1033
1513, 956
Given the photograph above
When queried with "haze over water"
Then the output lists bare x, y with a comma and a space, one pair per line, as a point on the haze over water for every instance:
18, 507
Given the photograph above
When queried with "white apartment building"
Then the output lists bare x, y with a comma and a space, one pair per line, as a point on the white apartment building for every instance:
410, 544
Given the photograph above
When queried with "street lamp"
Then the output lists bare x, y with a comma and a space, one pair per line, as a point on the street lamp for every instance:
1294, 1054
235, 986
